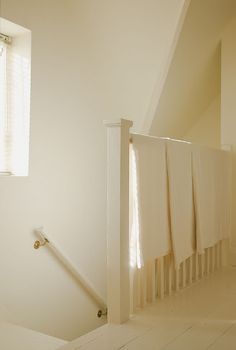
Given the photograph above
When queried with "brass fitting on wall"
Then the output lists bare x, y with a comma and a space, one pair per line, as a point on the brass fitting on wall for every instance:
38, 244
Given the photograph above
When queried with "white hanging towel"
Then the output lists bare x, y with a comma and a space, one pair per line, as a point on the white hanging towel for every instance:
152, 183
212, 183
181, 199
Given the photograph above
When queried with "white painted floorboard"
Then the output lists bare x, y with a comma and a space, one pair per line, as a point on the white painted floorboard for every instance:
197, 318
13, 337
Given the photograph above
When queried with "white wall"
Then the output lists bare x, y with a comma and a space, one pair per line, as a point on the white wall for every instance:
193, 79
124, 47
206, 131
228, 109
37, 291
91, 60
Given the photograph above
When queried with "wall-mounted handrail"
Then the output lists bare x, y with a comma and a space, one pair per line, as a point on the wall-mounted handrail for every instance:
46, 240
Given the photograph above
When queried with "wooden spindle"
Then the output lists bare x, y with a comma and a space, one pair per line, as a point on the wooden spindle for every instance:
160, 277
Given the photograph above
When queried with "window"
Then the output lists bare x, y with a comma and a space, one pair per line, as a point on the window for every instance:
14, 105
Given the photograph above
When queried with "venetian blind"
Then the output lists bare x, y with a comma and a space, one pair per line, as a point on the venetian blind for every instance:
14, 111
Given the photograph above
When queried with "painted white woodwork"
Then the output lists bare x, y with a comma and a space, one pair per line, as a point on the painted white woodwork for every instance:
133, 287
225, 249
139, 294
184, 274
212, 259
143, 286
177, 273
169, 272
207, 261
118, 286
151, 285
201, 265
195, 319
218, 255
156, 277
190, 264
160, 278
196, 267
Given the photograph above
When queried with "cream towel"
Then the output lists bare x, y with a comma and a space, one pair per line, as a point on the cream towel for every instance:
212, 188
181, 199
150, 154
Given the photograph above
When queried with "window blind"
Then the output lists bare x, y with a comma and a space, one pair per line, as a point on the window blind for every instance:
4, 152
14, 111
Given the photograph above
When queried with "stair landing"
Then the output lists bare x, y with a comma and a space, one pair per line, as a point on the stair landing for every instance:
197, 318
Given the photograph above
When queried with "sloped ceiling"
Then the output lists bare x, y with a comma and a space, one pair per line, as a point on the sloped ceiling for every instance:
193, 79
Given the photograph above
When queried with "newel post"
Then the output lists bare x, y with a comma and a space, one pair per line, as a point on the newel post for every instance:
118, 289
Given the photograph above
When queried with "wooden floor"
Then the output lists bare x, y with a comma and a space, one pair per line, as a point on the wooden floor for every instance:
200, 317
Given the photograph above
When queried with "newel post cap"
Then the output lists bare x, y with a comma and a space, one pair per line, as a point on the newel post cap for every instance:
118, 123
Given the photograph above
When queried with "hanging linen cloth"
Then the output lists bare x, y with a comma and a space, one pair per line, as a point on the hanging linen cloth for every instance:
179, 165
212, 193
152, 190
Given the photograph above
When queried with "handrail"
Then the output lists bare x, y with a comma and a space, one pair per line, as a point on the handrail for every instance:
72, 268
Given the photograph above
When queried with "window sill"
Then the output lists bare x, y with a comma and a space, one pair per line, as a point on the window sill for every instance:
6, 173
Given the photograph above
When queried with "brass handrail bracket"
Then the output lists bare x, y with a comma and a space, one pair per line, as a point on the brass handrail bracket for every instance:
38, 244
